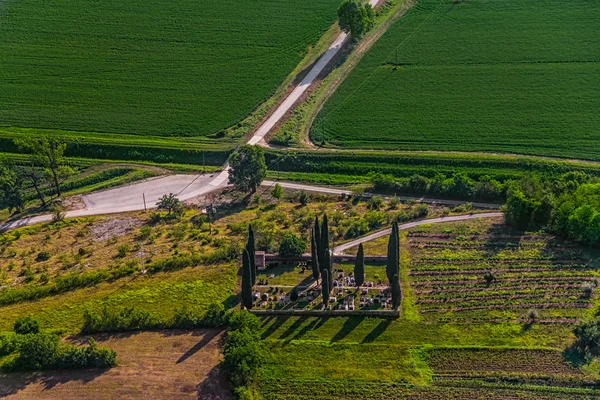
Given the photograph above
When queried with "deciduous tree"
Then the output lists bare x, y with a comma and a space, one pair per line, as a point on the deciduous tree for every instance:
170, 203
11, 189
48, 152
248, 168
355, 17
277, 192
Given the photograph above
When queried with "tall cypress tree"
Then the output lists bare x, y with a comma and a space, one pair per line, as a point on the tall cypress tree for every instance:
359, 266
396, 292
317, 230
250, 247
324, 242
393, 255
314, 257
246, 281
328, 265
325, 288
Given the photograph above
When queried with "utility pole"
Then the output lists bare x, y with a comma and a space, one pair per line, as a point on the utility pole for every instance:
144, 196
142, 254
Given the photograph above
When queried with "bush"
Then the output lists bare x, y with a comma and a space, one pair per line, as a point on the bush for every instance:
375, 203
123, 250
588, 337
303, 198
42, 256
243, 350
185, 318
26, 325
291, 245
119, 319
43, 350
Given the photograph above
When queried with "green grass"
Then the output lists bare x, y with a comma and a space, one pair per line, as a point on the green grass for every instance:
183, 68
505, 76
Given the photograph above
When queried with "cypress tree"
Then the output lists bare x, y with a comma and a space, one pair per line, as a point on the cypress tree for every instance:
324, 242
359, 266
251, 253
396, 292
246, 281
325, 288
313, 255
317, 231
393, 255
328, 265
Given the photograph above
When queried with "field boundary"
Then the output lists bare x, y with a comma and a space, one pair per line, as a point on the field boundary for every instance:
329, 313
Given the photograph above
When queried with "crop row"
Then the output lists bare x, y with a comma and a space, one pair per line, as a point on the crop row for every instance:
290, 389
501, 299
457, 360
522, 269
523, 306
495, 265
443, 290
499, 283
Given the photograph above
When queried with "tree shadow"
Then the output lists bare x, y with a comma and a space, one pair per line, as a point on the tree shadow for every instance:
13, 382
293, 327
206, 339
214, 387
265, 320
377, 331
307, 328
279, 320
350, 324
574, 357
231, 302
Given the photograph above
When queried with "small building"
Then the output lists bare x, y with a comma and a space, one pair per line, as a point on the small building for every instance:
260, 260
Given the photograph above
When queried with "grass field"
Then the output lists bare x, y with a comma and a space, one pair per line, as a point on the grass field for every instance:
475, 75
146, 67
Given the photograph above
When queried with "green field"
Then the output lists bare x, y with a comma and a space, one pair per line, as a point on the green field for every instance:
184, 68
476, 75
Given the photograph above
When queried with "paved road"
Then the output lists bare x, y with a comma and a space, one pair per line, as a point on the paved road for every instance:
328, 190
339, 249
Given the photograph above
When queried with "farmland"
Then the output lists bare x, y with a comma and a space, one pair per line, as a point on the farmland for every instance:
146, 67
442, 347
497, 76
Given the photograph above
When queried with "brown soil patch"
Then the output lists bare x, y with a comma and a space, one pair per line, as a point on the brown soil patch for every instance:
114, 227
152, 365
73, 203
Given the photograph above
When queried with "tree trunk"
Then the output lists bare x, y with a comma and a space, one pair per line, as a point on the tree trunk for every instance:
39, 193
56, 184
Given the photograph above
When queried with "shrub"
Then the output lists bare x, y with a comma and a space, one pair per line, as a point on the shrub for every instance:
123, 250
375, 203
43, 256
291, 245
303, 198
43, 350
26, 325
394, 202
588, 337
119, 319
489, 277
588, 290
185, 318
533, 315
243, 350
294, 295
58, 214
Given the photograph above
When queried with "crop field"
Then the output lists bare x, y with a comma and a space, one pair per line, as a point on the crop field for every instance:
448, 268
183, 68
499, 76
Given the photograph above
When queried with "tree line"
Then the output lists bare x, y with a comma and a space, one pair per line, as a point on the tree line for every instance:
46, 167
568, 206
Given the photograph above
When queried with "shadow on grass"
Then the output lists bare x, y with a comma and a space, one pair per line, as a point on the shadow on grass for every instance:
14, 382
350, 324
214, 386
278, 321
574, 357
293, 327
377, 331
206, 339
231, 302
313, 324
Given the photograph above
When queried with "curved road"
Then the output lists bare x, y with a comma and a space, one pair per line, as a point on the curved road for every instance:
339, 249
